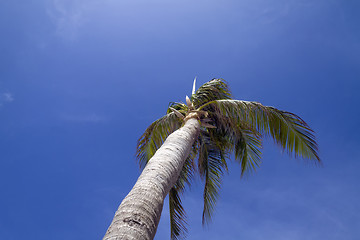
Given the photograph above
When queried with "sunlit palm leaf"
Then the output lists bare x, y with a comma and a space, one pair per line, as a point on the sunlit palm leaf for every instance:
287, 129
213, 90
155, 135
181, 107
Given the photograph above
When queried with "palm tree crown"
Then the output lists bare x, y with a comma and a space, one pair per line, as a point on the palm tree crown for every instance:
227, 127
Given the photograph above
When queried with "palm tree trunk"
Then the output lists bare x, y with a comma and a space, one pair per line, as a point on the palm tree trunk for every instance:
139, 213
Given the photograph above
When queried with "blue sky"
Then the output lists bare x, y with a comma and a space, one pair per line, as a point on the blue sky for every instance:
80, 80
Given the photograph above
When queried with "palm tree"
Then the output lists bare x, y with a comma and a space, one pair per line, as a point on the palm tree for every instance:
199, 137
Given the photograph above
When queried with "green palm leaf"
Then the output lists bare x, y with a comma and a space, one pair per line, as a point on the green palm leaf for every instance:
238, 137
213, 90
154, 136
177, 215
288, 130
247, 147
211, 164
178, 224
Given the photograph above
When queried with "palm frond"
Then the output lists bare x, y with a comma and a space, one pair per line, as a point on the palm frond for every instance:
178, 224
236, 137
247, 145
154, 136
211, 164
288, 130
213, 90
180, 107
177, 216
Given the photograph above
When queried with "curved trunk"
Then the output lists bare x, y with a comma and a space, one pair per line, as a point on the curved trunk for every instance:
139, 213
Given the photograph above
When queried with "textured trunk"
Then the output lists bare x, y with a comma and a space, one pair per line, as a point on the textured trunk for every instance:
139, 213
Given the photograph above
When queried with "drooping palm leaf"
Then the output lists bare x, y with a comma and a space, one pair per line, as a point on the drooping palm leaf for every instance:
212, 165
178, 224
238, 137
288, 130
177, 215
154, 136
247, 147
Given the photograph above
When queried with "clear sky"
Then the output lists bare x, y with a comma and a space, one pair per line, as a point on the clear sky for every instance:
80, 80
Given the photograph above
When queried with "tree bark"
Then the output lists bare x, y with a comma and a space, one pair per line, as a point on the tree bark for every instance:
139, 213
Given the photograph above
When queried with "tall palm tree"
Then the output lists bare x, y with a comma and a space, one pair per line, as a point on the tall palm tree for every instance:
199, 137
